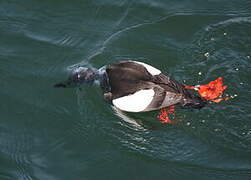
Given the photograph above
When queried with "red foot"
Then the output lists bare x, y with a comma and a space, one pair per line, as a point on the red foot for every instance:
164, 115
211, 91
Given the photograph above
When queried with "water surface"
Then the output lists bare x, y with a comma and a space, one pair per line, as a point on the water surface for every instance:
47, 133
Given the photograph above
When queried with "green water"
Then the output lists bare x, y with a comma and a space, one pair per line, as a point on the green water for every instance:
68, 134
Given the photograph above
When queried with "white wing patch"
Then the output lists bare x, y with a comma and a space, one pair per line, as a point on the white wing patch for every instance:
152, 70
136, 102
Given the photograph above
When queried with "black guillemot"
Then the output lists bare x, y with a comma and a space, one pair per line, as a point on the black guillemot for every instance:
134, 86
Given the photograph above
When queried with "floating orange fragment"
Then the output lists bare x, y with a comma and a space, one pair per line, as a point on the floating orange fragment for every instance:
164, 115
212, 91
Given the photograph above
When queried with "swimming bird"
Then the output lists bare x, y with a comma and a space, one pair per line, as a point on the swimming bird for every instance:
134, 86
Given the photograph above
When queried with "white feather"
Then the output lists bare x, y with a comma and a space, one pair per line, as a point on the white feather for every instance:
152, 70
136, 102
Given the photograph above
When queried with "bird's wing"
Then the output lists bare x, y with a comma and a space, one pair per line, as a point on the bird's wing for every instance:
136, 102
169, 84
